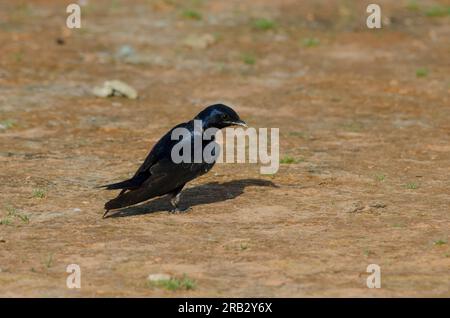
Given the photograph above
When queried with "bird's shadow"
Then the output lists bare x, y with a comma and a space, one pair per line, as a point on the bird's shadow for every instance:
202, 194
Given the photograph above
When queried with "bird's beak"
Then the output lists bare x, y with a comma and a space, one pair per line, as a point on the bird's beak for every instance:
240, 123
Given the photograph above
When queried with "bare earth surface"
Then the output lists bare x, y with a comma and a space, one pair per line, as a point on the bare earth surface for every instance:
369, 140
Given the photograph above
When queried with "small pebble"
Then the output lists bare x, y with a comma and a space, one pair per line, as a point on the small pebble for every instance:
115, 88
122, 88
125, 51
199, 41
103, 91
158, 277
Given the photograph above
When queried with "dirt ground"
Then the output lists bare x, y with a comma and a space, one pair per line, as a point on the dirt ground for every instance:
364, 118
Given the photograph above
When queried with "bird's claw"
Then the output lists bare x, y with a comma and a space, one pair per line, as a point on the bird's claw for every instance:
179, 211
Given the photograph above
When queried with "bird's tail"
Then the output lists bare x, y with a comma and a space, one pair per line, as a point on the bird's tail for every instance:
132, 197
127, 184
115, 203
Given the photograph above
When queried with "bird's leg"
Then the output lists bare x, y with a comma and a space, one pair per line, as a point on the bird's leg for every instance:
176, 195
174, 201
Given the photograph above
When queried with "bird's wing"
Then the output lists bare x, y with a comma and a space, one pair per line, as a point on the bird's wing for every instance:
165, 177
159, 150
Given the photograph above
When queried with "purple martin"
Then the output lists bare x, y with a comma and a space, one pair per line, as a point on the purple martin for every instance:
160, 175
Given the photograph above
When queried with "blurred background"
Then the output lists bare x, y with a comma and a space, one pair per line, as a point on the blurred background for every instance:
364, 132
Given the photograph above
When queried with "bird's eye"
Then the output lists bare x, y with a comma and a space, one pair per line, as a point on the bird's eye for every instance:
224, 116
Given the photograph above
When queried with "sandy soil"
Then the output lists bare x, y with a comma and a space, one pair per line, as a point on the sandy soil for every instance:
364, 113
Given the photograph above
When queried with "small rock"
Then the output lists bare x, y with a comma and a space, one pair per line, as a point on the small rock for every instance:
103, 91
354, 207
125, 51
158, 277
359, 206
199, 41
115, 88
122, 88
377, 205
76, 210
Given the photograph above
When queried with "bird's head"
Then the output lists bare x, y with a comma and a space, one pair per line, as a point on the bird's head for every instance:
219, 116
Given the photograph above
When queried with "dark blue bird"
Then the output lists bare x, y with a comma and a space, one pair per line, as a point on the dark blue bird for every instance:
160, 175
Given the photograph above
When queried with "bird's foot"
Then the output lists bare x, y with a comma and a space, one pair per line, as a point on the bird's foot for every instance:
179, 211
